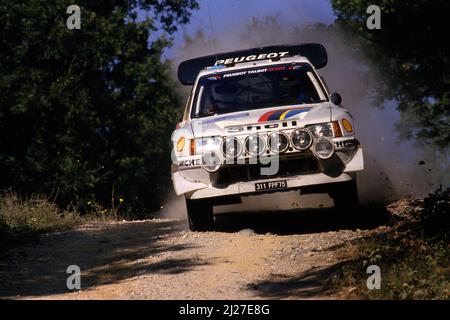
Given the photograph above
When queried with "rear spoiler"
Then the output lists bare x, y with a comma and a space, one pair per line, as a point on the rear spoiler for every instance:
314, 52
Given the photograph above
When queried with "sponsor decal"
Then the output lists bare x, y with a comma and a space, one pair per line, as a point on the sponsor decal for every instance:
214, 78
347, 125
180, 144
345, 143
225, 118
248, 72
283, 114
253, 57
190, 163
235, 74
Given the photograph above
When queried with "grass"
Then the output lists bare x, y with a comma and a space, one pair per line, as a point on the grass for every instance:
22, 220
413, 255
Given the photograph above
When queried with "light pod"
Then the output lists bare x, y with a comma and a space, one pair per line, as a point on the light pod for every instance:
301, 139
278, 142
323, 148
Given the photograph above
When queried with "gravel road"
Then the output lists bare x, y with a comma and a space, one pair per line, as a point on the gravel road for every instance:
275, 255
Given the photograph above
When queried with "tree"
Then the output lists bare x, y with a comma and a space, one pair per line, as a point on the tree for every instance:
87, 114
412, 55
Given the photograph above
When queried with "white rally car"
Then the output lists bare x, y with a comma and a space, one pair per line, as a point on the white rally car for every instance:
262, 121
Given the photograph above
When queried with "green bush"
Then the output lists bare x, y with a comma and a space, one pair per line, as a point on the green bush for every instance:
413, 255
21, 219
87, 113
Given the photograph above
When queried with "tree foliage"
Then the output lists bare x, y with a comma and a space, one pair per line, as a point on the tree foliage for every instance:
87, 114
412, 55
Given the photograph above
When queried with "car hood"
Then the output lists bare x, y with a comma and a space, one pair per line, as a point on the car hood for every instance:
304, 114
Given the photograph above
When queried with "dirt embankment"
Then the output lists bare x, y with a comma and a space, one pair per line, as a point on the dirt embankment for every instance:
276, 255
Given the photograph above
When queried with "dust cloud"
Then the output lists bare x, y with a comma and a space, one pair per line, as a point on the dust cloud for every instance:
392, 167
174, 208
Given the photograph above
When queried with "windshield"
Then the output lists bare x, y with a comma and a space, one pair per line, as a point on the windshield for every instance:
255, 89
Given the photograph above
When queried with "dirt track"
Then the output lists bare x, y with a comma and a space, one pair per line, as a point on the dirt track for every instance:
276, 255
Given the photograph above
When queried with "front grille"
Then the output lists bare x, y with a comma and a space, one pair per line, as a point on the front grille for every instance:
245, 173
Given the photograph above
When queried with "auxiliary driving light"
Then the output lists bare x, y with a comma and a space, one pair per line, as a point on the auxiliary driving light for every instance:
301, 139
278, 142
255, 145
232, 148
323, 148
211, 161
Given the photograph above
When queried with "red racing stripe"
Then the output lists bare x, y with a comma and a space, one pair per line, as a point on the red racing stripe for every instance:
265, 117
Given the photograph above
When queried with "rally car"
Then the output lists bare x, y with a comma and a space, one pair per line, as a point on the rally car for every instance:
262, 121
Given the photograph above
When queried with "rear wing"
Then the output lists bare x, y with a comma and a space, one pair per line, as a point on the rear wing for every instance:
314, 52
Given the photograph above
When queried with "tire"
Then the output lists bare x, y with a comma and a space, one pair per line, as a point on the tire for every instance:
200, 215
345, 196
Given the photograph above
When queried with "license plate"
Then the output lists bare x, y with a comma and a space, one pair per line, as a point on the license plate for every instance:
273, 185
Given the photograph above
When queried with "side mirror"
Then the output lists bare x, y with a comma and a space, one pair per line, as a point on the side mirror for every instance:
336, 98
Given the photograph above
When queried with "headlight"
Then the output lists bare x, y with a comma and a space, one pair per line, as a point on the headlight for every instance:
209, 149
278, 142
321, 130
255, 145
323, 148
330, 129
203, 145
232, 148
301, 139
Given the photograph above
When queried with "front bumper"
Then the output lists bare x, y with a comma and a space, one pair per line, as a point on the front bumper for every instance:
196, 183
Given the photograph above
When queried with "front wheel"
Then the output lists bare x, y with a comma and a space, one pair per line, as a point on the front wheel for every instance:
200, 215
345, 196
